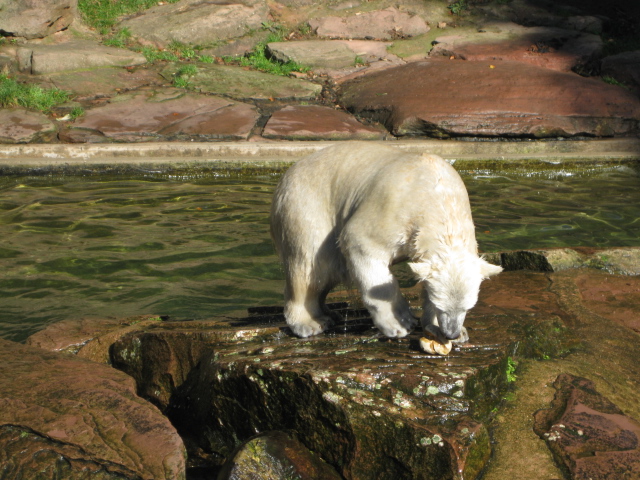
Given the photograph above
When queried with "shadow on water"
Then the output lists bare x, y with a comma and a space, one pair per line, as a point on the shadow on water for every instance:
197, 246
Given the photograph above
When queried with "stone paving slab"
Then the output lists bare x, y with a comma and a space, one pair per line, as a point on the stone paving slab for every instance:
74, 55
196, 22
103, 82
245, 84
549, 47
18, 125
377, 25
165, 113
312, 122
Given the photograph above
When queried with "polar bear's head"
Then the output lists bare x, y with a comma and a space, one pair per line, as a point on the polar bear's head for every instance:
451, 283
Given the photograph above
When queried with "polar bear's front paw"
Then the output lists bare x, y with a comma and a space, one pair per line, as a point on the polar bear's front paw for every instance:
309, 327
394, 331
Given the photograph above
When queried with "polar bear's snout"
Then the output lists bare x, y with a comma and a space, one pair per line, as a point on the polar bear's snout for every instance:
451, 325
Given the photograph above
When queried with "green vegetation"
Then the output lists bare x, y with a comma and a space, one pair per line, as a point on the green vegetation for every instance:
119, 39
13, 94
76, 112
457, 7
511, 370
183, 76
258, 59
175, 52
103, 14
613, 81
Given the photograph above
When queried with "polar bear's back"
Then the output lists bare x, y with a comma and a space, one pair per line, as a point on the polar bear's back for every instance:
386, 194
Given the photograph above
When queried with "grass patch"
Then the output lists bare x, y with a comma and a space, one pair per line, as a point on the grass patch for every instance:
258, 59
183, 76
613, 81
120, 39
457, 7
76, 112
174, 53
104, 14
14, 94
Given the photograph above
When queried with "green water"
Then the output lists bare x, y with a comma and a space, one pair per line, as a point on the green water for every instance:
198, 246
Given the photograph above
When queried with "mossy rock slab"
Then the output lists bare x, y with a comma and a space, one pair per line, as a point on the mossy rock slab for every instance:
368, 406
245, 84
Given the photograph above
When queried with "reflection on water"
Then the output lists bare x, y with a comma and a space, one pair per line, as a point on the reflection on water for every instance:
200, 247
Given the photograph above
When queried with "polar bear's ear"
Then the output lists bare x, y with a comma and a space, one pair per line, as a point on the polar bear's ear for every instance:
422, 270
487, 269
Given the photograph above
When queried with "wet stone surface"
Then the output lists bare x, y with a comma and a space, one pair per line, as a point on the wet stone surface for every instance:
589, 435
367, 406
66, 417
363, 403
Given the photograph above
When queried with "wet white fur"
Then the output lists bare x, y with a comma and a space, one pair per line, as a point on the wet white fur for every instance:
350, 211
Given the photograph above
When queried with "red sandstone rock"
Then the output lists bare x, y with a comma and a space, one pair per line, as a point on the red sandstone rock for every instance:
614, 297
548, 47
168, 114
382, 24
448, 98
589, 435
36, 18
312, 122
70, 416
18, 125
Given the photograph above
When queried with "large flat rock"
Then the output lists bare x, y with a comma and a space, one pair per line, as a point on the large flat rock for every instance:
384, 24
36, 18
74, 55
245, 84
150, 114
18, 125
548, 47
367, 406
74, 418
197, 22
313, 122
449, 98
588, 434
623, 67
103, 82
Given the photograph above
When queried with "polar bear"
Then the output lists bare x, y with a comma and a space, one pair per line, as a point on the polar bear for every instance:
348, 212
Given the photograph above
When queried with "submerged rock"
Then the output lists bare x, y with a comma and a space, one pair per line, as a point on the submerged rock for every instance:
589, 435
70, 418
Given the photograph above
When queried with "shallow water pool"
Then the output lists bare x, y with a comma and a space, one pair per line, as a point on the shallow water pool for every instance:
198, 246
